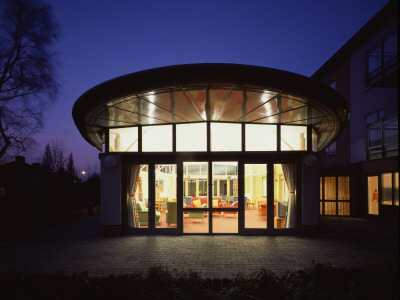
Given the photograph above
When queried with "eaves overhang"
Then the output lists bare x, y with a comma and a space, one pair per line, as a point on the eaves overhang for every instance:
210, 92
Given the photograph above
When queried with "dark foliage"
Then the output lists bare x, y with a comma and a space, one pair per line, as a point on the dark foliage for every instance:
317, 282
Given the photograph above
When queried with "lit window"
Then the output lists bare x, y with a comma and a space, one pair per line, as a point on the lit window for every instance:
123, 139
293, 138
260, 137
191, 137
226, 137
157, 138
387, 195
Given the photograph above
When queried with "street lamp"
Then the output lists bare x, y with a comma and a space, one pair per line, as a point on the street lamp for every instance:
83, 173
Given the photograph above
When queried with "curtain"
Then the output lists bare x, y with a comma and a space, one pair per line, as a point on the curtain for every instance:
289, 171
133, 173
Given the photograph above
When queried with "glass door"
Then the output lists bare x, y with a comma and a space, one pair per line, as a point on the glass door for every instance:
255, 190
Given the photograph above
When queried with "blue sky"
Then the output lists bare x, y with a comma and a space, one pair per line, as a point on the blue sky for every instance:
105, 39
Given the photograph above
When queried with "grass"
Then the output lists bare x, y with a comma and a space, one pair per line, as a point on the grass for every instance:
316, 282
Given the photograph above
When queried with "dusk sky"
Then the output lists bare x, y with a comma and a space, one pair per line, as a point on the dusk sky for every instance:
102, 40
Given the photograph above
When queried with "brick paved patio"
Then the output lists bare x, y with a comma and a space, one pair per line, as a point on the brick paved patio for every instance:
77, 246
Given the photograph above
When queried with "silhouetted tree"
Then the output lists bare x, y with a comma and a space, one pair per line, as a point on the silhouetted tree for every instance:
71, 170
53, 157
28, 31
47, 159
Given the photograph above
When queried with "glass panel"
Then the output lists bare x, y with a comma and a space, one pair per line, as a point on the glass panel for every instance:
225, 186
390, 49
195, 184
225, 222
375, 135
195, 221
314, 141
386, 181
344, 208
260, 137
255, 209
320, 188
138, 198
165, 191
391, 134
321, 205
225, 189
396, 188
330, 188
374, 59
123, 139
285, 196
330, 208
343, 188
157, 138
373, 196
293, 138
191, 137
226, 137
195, 189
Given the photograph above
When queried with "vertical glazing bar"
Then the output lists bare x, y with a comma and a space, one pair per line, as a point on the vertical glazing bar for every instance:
173, 137
278, 137
140, 139
152, 196
179, 196
241, 196
270, 196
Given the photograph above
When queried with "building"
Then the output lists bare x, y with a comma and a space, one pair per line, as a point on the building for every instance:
365, 70
210, 148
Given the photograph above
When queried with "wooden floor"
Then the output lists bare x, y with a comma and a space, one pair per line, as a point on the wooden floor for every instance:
222, 223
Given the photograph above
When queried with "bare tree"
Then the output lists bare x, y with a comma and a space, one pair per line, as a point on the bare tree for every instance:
53, 158
28, 31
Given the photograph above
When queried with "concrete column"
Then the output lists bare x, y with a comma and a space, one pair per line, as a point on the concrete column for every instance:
111, 176
310, 179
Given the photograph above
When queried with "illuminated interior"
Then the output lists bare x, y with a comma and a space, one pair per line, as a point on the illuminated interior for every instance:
223, 137
224, 200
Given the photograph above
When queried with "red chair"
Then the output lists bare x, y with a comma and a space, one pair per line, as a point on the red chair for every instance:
234, 205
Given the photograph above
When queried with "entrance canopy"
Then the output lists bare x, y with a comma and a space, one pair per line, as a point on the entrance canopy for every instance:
210, 92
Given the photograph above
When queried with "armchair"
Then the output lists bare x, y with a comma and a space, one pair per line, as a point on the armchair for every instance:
143, 214
170, 214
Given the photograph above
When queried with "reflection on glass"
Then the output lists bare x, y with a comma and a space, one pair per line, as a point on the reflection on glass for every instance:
260, 137
373, 195
123, 139
285, 196
255, 208
191, 137
137, 196
386, 180
293, 138
314, 141
226, 137
165, 191
157, 138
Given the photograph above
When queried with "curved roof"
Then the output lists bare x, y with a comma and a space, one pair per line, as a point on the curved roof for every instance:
210, 92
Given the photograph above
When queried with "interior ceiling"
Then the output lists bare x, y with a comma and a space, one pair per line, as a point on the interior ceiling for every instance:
206, 102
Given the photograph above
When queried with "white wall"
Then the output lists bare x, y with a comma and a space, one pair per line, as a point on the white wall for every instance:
310, 211
110, 190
